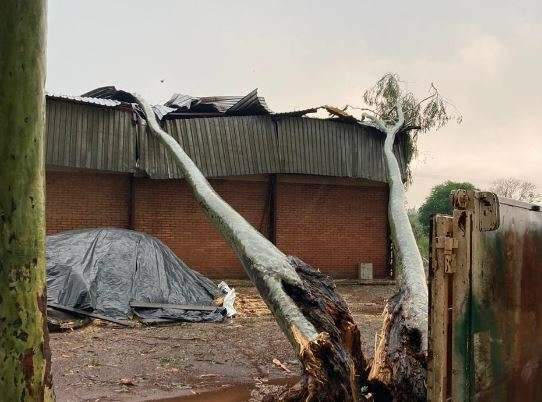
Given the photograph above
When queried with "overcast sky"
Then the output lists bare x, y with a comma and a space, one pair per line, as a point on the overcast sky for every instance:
484, 56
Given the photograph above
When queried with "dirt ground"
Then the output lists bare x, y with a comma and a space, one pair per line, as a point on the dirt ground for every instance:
103, 362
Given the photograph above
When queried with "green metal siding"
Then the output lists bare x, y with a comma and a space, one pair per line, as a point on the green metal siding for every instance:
230, 146
88, 136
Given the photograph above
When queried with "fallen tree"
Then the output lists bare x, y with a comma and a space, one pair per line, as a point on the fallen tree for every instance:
399, 367
305, 303
309, 311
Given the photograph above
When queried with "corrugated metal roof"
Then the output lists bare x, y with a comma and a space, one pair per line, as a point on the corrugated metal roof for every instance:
85, 99
110, 92
191, 106
181, 101
160, 111
83, 135
250, 104
297, 113
107, 92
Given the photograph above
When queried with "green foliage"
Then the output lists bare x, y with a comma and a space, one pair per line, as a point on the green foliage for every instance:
431, 112
422, 238
438, 201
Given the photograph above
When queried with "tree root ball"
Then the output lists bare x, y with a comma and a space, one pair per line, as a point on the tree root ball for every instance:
399, 368
334, 368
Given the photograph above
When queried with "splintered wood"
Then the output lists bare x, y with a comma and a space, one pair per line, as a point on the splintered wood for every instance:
250, 304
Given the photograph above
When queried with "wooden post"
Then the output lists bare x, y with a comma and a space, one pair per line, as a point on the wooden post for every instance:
461, 325
437, 384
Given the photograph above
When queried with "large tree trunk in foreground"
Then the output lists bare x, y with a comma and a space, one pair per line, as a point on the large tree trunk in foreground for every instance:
333, 368
307, 307
24, 351
400, 361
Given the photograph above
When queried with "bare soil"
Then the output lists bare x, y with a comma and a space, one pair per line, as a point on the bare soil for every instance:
103, 362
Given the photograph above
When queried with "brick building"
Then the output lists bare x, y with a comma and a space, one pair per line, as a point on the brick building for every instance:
315, 187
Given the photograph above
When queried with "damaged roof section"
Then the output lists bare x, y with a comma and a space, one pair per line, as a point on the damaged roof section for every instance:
224, 135
86, 100
215, 106
110, 92
186, 106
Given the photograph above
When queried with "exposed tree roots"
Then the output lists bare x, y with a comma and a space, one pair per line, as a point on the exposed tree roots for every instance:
398, 372
334, 368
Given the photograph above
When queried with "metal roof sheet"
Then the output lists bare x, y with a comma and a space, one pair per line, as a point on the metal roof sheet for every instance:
250, 104
161, 111
85, 99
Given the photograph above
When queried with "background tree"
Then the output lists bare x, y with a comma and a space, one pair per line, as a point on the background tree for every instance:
438, 201
517, 189
422, 238
24, 351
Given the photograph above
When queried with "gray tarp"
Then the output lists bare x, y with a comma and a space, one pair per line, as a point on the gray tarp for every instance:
102, 270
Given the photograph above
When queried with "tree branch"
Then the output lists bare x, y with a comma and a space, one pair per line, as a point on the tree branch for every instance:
362, 109
410, 128
428, 97
377, 122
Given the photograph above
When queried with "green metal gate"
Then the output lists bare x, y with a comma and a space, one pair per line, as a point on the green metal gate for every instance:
485, 335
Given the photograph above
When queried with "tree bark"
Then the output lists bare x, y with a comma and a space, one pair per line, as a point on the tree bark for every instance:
24, 352
399, 367
310, 312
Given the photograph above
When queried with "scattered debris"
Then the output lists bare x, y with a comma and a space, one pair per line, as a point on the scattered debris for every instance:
278, 363
251, 305
162, 359
77, 311
228, 299
192, 307
127, 381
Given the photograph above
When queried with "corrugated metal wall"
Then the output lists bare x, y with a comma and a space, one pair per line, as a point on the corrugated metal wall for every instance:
229, 146
92, 137
87, 136
329, 148
223, 146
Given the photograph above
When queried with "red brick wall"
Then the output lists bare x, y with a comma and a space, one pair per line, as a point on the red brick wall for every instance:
76, 200
167, 210
333, 228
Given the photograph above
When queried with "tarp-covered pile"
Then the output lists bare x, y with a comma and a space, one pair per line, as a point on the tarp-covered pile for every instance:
104, 270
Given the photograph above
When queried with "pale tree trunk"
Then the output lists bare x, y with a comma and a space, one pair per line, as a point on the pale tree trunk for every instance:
24, 352
307, 307
399, 367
